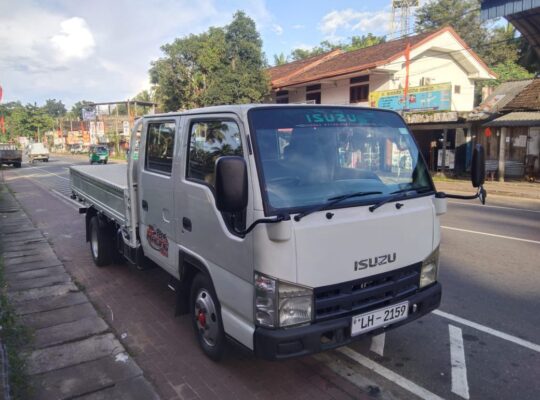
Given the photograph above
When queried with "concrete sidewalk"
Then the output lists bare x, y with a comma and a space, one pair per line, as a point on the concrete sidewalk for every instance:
74, 353
513, 189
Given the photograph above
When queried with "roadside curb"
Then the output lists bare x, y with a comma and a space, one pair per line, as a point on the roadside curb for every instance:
74, 353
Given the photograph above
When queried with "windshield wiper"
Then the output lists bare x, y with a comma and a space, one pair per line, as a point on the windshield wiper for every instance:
331, 202
394, 196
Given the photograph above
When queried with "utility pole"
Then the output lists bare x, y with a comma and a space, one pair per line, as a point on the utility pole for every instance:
502, 153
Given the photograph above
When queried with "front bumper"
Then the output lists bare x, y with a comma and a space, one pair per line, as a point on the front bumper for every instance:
278, 344
39, 156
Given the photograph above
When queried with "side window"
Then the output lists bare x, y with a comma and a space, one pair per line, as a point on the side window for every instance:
208, 141
160, 147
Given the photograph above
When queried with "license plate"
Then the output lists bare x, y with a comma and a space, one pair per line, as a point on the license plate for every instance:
382, 317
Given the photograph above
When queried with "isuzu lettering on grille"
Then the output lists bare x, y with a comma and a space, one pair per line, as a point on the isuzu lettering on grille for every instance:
374, 261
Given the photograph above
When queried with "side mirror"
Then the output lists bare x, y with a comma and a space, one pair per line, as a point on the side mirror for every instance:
478, 166
231, 184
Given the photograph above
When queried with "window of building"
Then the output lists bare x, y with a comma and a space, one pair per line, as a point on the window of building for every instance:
457, 89
313, 97
359, 91
208, 141
313, 94
160, 147
282, 97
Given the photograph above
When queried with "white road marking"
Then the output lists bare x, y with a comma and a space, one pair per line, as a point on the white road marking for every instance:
460, 385
490, 206
51, 173
491, 234
494, 332
389, 374
377, 344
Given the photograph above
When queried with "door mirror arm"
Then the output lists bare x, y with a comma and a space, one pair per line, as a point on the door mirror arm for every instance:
480, 194
274, 220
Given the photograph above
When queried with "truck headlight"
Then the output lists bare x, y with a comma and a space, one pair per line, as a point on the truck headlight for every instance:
281, 304
430, 267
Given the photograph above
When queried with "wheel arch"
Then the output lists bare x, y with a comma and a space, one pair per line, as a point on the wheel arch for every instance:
188, 267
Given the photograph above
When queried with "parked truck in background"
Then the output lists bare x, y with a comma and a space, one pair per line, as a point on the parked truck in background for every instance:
290, 229
37, 151
10, 155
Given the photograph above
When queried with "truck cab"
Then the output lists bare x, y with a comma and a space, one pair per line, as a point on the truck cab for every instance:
291, 229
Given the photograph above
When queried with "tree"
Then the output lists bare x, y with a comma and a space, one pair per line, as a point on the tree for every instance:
360, 42
509, 71
280, 59
462, 15
502, 46
55, 108
76, 110
354, 43
221, 66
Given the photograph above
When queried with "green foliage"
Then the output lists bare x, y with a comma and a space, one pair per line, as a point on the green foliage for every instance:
462, 15
29, 120
55, 108
509, 71
280, 59
507, 55
76, 110
220, 66
354, 43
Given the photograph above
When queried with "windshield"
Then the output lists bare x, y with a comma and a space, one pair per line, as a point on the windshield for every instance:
310, 155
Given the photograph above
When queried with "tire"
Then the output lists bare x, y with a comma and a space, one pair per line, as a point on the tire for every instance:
17, 165
105, 162
101, 242
206, 317
91, 163
46, 160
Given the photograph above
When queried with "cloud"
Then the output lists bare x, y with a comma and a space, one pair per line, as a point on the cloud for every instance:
278, 30
352, 21
298, 26
76, 50
75, 40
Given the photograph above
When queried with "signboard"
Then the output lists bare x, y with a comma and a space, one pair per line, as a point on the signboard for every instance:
430, 117
450, 158
429, 97
88, 114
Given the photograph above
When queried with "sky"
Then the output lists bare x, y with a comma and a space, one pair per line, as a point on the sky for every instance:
101, 50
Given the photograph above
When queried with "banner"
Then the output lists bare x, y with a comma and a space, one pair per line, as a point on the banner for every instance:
419, 98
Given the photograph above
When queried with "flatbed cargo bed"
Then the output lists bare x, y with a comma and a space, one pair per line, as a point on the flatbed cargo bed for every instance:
104, 187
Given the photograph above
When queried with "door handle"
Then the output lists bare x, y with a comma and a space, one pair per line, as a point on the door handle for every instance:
186, 223
145, 205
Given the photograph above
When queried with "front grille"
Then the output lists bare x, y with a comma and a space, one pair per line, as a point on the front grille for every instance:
367, 293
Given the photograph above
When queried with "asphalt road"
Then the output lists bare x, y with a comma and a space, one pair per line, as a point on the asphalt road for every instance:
483, 342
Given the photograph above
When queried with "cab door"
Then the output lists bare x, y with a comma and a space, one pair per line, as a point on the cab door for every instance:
157, 171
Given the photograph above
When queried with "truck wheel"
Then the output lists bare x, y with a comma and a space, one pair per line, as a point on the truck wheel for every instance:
46, 160
101, 243
17, 165
206, 317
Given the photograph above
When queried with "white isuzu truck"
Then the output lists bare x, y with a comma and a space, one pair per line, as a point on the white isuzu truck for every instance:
291, 229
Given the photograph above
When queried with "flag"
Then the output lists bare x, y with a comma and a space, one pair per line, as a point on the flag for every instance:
1, 93
2, 124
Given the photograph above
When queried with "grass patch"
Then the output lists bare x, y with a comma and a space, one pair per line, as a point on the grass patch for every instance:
14, 337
